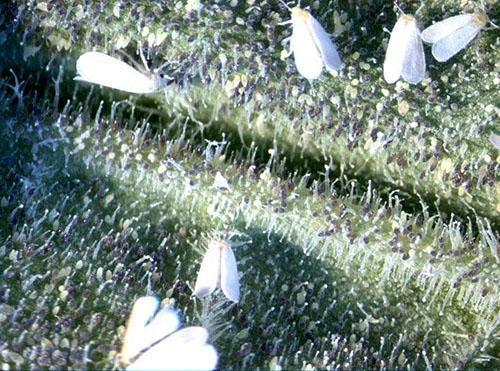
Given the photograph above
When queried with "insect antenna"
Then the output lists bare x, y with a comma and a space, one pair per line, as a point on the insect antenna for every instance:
399, 8
285, 4
143, 58
131, 60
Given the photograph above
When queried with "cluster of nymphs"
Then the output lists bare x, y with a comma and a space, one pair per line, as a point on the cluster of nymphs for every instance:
153, 340
313, 49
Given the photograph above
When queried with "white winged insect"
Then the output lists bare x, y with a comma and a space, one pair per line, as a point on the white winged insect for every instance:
495, 140
218, 270
153, 340
311, 45
100, 68
453, 34
405, 52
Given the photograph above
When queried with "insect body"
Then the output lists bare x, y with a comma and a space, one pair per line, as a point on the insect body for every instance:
153, 341
405, 52
218, 270
311, 45
453, 34
100, 68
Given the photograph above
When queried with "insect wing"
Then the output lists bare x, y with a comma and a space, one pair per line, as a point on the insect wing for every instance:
450, 45
209, 273
414, 61
230, 283
396, 50
445, 27
163, 324
143, 311
327, 48
99, 68
495, 140
308, 59
185, 349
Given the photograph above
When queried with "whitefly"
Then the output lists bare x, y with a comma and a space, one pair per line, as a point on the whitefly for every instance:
311, 45
405, 56
153, 340
102, 69
453, 34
